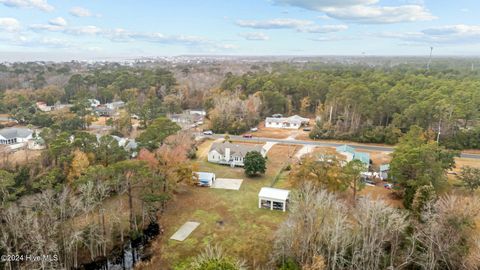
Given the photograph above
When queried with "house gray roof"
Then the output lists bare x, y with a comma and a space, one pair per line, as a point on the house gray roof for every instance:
11, 133
239, 150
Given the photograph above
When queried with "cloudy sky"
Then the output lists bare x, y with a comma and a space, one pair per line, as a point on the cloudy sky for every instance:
124, 28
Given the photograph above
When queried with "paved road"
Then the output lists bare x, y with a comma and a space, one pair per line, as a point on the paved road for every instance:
322, 143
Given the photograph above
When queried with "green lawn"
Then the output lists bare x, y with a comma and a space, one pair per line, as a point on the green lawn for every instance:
228, 218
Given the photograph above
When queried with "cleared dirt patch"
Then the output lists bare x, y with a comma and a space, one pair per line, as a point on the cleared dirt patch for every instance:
227, 183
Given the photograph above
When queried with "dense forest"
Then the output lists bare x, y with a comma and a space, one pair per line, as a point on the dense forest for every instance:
369, 104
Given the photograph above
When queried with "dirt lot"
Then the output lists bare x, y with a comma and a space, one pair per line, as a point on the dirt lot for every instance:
227, 217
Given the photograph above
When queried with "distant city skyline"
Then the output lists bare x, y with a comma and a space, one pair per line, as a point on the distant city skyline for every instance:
89, 29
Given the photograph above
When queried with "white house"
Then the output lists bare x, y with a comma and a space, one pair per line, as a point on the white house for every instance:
115, 105
198, 111
292, 122
42, 106
15, 135
94, 102
273, 198
232, 154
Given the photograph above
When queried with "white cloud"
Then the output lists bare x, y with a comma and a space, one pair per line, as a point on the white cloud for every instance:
46, 27
306, 26
447, 34
365, 11
255, 36
376, 14
84, 30
274, 23
38, 4
331, 38
324, 28
9, 24
80, 12
30, 41
59, 21
319, 4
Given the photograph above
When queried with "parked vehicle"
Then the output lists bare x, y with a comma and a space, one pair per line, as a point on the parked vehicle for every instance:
369, 182
208, 132
254, 129
249, 136
307, 129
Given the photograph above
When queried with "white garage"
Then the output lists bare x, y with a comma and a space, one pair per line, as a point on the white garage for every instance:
273, 198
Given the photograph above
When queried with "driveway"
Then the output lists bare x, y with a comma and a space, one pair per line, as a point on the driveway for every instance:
306, 149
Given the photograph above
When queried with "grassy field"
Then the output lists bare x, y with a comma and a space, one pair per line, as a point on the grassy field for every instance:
228, 218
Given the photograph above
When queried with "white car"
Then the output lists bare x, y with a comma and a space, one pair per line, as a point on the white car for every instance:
254, 129
208, 132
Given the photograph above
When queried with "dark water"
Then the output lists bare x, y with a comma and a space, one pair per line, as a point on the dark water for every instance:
126, 258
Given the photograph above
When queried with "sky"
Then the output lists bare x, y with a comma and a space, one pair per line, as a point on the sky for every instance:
89, 29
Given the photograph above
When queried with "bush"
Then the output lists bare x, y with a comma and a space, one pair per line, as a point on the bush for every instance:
213, 258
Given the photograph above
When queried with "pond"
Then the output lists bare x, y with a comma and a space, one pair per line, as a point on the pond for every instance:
125, 258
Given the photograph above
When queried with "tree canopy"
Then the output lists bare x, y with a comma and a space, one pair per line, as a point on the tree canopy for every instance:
254, 163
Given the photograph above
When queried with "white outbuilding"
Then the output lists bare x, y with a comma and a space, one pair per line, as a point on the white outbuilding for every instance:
273, 198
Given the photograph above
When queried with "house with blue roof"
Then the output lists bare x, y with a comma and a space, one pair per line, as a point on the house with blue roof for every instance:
351, 154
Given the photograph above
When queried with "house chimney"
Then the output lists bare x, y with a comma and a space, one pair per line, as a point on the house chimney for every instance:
227, 154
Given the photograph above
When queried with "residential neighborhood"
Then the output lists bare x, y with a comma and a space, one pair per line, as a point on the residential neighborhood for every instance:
239, 135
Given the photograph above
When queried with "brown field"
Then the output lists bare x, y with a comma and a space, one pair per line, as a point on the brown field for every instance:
380, 193
19, 157
101, 121
461, 162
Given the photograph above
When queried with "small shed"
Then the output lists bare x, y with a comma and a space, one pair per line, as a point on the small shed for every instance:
384, 169
205, 179
273, 198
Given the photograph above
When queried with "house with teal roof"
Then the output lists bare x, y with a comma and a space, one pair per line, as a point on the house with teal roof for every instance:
351, 154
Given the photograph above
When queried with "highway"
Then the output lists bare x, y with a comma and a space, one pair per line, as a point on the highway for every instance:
357, 146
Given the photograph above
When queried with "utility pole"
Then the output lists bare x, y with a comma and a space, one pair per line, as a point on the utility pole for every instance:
430, 59
439, 130
330, 117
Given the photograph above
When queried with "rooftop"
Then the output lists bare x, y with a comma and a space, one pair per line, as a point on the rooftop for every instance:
11, 133
345, 148
363, 157
235, 149
205, 175
274, 193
